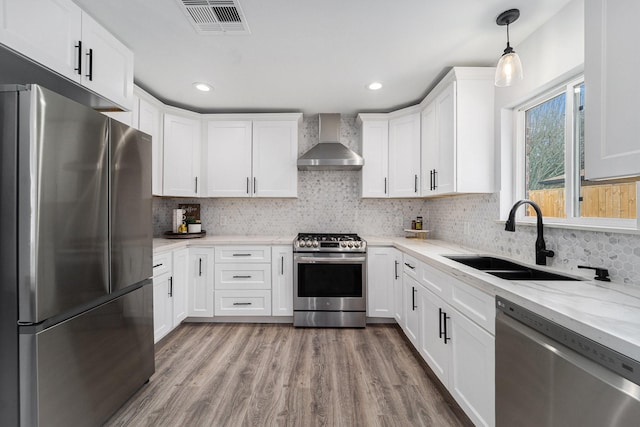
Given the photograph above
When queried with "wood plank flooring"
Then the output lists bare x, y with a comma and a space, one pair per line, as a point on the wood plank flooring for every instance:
275, 375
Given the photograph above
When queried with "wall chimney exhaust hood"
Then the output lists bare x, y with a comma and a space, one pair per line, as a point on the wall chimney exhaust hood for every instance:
329, 154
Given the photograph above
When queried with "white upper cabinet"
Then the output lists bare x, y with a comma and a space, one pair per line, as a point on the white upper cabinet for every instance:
252, 155
391, 152
181, 166
458, 134
229, 158
375, 149
150, 121
47, 32
275, 156
60, 36
612, 146
404, 156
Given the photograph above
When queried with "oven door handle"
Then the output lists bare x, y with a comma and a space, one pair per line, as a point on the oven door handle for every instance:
313, 260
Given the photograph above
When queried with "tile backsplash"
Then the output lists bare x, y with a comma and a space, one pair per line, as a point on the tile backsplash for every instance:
329, 201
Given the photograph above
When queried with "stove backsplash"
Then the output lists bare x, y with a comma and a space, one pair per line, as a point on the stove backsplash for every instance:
328, 202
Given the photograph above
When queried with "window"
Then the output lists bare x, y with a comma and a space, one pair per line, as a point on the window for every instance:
550, 165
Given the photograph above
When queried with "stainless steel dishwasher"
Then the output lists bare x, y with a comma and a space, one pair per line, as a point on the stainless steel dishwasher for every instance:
548, 375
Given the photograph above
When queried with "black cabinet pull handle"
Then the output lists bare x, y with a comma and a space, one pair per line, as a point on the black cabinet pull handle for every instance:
282, 265
409, 265
242, 303
396, 265
247, 185
413, 299
242, 277
435, 179
385, 186
241, 255
255, 185
415, 183
90, 75
171, 286
79, 47
444, 329
431, 180
157, 265
199, 266
196, 185
439, 322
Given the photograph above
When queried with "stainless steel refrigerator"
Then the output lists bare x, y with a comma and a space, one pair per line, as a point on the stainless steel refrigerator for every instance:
76, 307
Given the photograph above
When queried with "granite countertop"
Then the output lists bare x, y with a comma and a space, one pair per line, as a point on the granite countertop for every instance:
608, 313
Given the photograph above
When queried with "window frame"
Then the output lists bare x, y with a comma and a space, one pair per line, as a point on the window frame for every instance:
572, 187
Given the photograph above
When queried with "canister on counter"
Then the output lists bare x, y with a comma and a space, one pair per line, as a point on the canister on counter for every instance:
419, 223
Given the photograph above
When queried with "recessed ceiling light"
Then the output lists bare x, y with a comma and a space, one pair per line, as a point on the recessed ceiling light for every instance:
202, 86
374, 86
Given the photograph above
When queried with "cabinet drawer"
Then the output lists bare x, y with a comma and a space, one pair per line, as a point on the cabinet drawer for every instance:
411, 266
436, 281
236, 254
473, 303
243, 276
243, 303
162, 263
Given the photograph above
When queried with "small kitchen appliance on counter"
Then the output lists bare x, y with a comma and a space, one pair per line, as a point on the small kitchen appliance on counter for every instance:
329, 280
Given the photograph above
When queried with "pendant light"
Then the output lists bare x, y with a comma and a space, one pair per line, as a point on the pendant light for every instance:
509, 67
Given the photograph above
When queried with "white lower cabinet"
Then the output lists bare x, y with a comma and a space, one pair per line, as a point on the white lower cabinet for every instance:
411, 322
170, 280
383, 271
242, 281
282, 280
398, 288
201, 277
450, 323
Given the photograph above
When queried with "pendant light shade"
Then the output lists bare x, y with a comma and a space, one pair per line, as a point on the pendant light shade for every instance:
509, 67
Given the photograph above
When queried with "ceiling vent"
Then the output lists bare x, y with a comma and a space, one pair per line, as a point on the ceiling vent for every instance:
215, 17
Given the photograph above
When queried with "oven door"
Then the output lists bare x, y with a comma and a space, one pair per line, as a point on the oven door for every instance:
329, 282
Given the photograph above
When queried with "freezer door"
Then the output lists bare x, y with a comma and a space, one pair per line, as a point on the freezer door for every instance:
79, 372
62, 205
131, 226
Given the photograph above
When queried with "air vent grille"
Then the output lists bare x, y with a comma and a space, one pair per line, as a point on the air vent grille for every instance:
215, 16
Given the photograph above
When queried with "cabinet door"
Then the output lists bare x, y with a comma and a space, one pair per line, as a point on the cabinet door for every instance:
432, 348
150, 122
381, 275
429, 149
612, 148
162, 306
108, 64
228, 159
180, 283
46, 31
398, 288
282, 280
471, 381
404, 156
181, 166
375, 151
275, 156
200, 298
445, 172
411, 323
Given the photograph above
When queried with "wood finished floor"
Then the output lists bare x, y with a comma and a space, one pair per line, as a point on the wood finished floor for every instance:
276, 375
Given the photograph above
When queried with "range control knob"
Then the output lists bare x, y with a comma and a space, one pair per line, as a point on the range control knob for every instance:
343, 244
356, 244
307, 243
315, 243
350, 244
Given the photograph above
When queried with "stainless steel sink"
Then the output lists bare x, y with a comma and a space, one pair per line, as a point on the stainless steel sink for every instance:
506, 269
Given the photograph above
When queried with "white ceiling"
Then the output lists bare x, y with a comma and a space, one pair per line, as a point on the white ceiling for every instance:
314, 55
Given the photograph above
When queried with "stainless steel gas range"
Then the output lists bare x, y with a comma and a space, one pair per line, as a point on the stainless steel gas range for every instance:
330, 277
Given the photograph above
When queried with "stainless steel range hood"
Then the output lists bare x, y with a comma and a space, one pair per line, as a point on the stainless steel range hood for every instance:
329, 154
